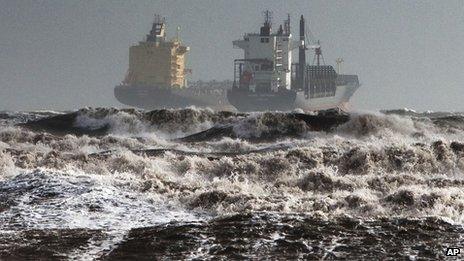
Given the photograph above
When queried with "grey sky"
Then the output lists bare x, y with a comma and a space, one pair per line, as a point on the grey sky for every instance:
69, 54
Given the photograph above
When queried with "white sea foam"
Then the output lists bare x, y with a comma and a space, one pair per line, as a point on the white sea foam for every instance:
372, 166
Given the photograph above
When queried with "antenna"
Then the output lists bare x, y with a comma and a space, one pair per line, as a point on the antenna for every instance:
339, 61
287, 25
158, 19
158, 29
178, 34
267, 18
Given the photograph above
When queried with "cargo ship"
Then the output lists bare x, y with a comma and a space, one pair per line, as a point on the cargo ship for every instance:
265, 79
156, 77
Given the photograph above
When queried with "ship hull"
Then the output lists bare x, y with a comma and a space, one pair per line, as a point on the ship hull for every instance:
156, 97
153, 97
346, 87
251, 101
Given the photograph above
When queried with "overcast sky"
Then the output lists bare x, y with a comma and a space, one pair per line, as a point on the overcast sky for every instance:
69, 54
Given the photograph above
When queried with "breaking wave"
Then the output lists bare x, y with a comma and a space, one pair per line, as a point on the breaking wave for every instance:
360, 164
120, 169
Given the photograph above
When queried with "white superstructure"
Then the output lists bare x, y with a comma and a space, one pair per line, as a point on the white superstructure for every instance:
266, 78
268, 56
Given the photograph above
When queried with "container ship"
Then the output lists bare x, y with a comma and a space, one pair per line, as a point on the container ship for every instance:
264, 80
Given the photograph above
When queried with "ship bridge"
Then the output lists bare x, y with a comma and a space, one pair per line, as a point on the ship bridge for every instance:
268, 58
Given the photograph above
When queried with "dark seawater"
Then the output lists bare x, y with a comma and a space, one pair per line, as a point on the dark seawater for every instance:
109, 184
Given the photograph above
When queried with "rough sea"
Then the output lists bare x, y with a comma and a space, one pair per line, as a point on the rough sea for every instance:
109, 184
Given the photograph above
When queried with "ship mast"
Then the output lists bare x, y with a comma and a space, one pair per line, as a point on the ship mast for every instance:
302, 56
318, 54
287, 25
158, 30
267, 18
266, 28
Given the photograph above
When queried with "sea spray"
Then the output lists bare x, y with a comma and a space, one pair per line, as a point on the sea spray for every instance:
104, 170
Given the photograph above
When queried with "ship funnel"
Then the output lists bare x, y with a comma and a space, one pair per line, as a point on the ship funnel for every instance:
302, 55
